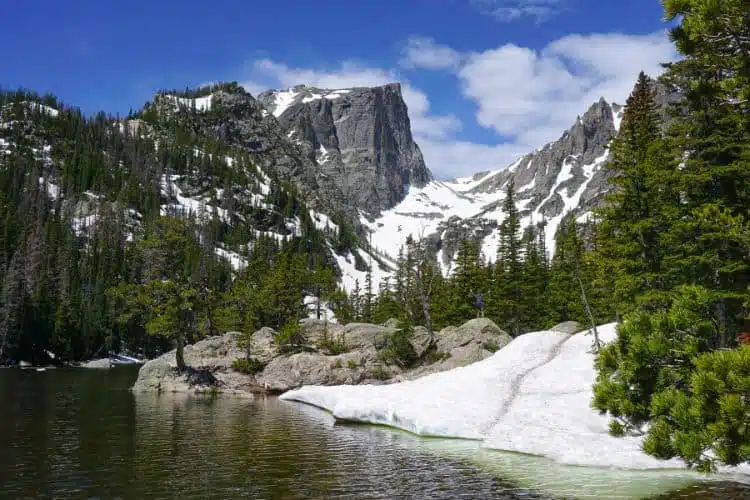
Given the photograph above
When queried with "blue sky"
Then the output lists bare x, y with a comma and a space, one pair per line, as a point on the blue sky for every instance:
485, 80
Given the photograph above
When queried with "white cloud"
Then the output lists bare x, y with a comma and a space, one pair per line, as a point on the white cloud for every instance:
529, 97
512, 10
423, 52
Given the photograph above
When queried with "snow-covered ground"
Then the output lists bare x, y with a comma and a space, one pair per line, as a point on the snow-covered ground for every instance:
424, 209
351, 276
200, 103
285, 98
531, 397
325, 312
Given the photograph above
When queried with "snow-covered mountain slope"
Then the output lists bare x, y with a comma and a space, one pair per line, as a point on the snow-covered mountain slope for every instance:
562, 177
228, 167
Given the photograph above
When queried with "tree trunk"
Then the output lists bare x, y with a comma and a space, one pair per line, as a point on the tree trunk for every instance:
317, 303
180, 353
590, 315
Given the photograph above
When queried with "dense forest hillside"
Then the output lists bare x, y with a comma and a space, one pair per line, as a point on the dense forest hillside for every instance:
93, 205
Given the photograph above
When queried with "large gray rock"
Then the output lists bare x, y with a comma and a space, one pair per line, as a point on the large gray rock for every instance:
291, 371
318, 330
97, 363
210, 360
357, 335
473, 341
476, 331
360, 138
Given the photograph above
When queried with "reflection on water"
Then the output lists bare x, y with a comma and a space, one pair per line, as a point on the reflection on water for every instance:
78, 433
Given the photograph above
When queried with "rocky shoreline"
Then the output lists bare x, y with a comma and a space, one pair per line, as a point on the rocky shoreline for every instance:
210, 360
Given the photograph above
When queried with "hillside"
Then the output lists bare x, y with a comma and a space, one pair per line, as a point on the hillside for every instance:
332, 177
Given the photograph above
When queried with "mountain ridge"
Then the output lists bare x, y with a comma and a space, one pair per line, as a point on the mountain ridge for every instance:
360, 137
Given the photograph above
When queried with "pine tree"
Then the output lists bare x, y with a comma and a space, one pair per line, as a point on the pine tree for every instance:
510, 265
635, 214
466, 282
563, 291
534, 283
665, 366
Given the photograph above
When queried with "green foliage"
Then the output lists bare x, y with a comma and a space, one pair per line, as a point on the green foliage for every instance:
706, 423
434, 356
91, 257
334, 346
337, 365
379, 372
341, 306
398, 349
616, 429
637, 211
248, 366
490, 346
509, 303
352, 364
563, 292
291, 338
653, 353
677, 239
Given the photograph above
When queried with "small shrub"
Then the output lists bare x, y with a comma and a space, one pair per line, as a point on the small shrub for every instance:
248, 366
291, 338
336, 364
245, 342
434, 356
398, 349
380, 373
352, 364
616, 429
334, 347
491, 346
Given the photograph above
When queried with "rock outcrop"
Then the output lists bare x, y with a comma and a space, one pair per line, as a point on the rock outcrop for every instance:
360, 138
473, 341
97, 363
210, 360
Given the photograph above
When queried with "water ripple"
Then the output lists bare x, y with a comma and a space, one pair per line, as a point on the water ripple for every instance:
81, 434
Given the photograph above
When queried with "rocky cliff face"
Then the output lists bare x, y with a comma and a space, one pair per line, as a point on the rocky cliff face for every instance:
359, 138
564, 176
547, 179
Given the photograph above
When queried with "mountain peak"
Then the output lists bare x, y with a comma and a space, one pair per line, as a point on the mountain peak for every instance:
360, 138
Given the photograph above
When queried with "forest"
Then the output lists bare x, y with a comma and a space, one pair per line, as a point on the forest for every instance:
92, 259
96, 256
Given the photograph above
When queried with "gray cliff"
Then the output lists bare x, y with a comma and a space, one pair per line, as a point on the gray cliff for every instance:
360, 139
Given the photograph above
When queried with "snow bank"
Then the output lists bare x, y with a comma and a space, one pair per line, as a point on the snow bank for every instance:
463, 402
552, 415
533, 397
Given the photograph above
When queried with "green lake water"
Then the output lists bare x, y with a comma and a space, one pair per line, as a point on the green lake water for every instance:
76, 433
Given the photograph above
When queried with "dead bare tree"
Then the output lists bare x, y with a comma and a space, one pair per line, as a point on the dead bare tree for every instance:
587, 306
424, 282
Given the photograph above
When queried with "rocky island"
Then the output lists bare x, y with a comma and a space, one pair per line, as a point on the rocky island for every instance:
359, 356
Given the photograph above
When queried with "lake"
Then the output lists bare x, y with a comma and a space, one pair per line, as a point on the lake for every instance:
76, 433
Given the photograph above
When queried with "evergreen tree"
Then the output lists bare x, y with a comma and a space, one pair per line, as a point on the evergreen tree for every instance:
509, 279
534, 283
634, 216
467, 280
563, 291
665, 365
